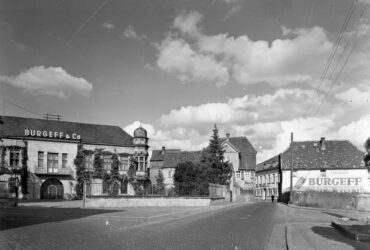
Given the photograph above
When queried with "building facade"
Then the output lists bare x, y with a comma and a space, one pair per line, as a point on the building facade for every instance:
267, 182
48, 150
166, 161
242, 155
324, 165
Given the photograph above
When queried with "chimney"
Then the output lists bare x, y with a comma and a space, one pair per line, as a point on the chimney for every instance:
322, 142
227, 136
163, 150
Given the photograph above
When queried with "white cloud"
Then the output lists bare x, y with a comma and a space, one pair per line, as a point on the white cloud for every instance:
180, 138
243, 110
188, 23
357, 96
130, 33
356, 131
53, 81
178, 58
299, 58
235, 9
108, 25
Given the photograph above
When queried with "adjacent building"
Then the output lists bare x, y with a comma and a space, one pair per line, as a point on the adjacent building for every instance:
166, 160
323, 165
242, 155
48, 149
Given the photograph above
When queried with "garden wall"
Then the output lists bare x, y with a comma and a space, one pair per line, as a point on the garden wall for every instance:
149, 201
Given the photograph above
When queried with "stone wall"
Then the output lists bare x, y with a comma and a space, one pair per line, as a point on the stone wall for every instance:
118, 202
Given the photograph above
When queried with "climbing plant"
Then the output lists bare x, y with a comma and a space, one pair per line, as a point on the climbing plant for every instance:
24, 171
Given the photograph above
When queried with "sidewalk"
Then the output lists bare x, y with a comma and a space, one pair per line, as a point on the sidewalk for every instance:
310, 228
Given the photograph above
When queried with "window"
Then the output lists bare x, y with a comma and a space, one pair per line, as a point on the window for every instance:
52, 162
89, 162
237, 174
141, 160
123, 163
169, 174
268, 179
242, 174
323, 173
13, 184
105, 186
14, 158
273, 178
124, 186
64, 160
107, 162
40, 161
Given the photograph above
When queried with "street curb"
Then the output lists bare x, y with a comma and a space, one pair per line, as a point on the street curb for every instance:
348, 233
324, 209
286, 237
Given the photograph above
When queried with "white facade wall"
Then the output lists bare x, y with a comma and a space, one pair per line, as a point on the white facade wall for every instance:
168, 174
341, 180
50, 147
243, 178
267, 184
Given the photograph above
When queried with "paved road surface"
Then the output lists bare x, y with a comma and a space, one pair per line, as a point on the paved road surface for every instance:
247, 226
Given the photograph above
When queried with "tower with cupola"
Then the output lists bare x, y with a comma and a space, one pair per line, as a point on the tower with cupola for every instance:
140, 141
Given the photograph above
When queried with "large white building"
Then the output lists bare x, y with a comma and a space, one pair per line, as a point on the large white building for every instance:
48, 148
241, 154
324, 165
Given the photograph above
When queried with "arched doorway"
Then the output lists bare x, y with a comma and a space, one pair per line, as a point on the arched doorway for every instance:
52, 189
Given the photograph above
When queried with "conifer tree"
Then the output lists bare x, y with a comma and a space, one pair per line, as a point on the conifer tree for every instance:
212, 161
160, 187
367, 154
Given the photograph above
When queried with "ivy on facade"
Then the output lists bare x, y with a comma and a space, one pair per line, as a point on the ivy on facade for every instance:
111, 177
23, 171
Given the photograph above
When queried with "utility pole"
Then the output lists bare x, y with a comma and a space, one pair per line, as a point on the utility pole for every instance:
291, 168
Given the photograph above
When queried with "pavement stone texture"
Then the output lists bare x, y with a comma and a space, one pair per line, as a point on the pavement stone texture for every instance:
65, 223
310, 228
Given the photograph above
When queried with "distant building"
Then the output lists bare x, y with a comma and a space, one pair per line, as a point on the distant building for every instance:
48, 148
324, 165
242, 155
166, 161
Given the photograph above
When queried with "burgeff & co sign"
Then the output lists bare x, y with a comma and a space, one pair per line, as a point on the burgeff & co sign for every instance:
51, 134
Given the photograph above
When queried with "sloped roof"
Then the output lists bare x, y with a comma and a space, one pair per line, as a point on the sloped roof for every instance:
158, 155
246, 150
270, 164
173, 158
90, 133
310, 155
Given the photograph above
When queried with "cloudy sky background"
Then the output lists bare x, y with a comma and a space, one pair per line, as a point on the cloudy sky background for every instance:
255, 68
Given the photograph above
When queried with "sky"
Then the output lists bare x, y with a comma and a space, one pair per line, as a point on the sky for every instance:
257, 68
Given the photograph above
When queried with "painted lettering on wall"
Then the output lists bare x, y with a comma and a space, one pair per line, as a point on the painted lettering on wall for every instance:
334, 181
51, 134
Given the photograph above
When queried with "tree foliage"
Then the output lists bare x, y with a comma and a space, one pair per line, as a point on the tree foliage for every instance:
367, 155
99, 171
160, 186
24, 172
212, 161
80, 172
114, 178
190, 179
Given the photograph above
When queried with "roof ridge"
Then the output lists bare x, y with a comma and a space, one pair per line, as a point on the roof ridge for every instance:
94, 124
